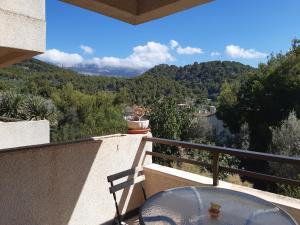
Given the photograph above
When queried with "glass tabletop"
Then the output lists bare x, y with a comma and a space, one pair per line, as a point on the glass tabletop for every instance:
210, 206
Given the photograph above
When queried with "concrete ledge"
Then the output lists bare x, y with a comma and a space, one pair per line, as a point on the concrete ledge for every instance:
22, 29
159, 178
30, 8
24, 133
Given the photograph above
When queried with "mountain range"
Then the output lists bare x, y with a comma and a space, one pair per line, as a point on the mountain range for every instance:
93, 69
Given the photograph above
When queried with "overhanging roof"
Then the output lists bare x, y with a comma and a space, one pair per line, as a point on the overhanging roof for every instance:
136, 11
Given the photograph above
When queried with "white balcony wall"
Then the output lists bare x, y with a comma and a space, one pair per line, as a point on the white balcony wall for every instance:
24, 133
66, 184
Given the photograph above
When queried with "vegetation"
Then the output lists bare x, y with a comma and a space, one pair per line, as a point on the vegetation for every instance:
83, 115
286, 141
172, 121
204, 79
263, 99
26, 107
93, 105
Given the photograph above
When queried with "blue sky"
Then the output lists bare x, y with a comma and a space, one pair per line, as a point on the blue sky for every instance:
240, 30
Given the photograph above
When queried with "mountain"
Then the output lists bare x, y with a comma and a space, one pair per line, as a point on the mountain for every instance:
93, 69
197, 81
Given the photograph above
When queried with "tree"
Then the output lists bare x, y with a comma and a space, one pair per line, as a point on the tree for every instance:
286, 141
83, 115
286, 138
168, 120
263, 99
171, 121
227, 104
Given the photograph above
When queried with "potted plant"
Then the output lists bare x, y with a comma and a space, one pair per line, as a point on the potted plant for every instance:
135, 119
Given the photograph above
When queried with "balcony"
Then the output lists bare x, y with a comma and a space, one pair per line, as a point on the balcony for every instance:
66, 183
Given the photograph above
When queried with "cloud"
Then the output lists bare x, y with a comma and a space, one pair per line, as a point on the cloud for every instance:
189, 51
184, 51
174, 44
61, 58
87, 49
235, 51
142, 57
215, 54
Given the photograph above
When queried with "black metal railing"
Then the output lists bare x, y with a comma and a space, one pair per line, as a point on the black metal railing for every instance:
216, 168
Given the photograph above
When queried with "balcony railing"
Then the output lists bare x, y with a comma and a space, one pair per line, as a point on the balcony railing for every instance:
216, 168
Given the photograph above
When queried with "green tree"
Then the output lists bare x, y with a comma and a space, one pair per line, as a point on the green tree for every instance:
170, 121
286, 141
82, 115
263, 99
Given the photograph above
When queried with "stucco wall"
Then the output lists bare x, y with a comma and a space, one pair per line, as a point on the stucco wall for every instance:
159, 178
22, 29
24, 133
65, 184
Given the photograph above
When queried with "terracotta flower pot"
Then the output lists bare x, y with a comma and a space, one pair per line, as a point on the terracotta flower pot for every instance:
137, 125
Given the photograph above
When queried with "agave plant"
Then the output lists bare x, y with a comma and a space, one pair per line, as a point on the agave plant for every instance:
38, 108
26, 107
12, 105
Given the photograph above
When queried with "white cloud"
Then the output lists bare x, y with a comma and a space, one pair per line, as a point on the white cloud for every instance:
236, 51
143, 57
215, 54
61, 58
189, 51
87, 49
174, 44
186, 50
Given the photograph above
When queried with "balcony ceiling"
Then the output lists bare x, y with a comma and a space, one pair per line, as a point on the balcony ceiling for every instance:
136, 11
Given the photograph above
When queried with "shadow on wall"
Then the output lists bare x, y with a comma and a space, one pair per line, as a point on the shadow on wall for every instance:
43, 184
128, 202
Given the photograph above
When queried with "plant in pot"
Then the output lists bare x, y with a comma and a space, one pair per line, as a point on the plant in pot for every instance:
136, 120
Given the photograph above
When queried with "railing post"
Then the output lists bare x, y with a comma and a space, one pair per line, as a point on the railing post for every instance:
215, 169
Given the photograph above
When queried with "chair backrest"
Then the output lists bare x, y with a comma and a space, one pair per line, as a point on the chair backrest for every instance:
135, 176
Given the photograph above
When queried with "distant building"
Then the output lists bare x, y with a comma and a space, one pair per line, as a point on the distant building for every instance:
212, 109
208, 111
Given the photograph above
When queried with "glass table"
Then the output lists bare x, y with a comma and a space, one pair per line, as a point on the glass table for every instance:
200, 206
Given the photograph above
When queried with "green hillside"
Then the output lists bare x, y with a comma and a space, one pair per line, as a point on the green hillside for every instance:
198, 81
203, 77
83, 106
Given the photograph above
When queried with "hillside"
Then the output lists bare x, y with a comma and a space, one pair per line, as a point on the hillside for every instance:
39, 78
197, 81
85, 106
199, 77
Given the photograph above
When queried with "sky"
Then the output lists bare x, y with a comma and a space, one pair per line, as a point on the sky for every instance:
247, 31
